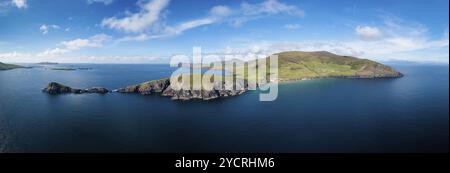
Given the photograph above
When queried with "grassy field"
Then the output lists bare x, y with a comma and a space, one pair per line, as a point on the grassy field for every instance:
297, 65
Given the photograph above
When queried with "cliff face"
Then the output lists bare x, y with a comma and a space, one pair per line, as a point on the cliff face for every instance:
164, 88
146, 88
56, 88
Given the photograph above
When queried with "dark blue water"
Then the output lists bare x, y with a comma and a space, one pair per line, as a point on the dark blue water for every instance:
408, 114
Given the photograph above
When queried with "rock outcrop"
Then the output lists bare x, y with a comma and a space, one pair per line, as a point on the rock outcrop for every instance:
163, 88
56, 88
146, 88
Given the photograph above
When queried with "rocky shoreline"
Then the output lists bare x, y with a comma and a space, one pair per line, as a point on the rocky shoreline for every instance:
399, 75
161, 87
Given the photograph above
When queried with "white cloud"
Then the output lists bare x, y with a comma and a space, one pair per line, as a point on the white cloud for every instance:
190, 24
368, 33
148, 15
220, 10
95, 41
20, 3
266, 48
271, 7
116, 59
292, 26
361, 49
249, 12
401, 41
145, 23
53, 52
106, 2
15, 57
169, 30
45, 28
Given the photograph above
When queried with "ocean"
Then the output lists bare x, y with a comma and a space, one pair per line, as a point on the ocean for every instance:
408, 114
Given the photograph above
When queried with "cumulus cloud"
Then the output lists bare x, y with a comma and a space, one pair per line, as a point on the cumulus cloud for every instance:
7, 4
146, 24
106, 2
17, 57
271, 7
117, 59
53, 52
401, 41
368, 33
20, 3
248, 12
382, 51
190, 24
292, 26
45, 28
262, 49
170, 30
221, 10
95, 41
148, 14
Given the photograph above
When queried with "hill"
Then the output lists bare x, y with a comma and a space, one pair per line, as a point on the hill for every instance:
298, 65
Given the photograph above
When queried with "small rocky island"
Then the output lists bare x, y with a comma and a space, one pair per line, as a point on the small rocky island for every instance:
294, 65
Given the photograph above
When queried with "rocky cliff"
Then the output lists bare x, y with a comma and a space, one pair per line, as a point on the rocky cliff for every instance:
163, 88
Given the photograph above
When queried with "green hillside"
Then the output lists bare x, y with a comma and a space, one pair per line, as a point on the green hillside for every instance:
297, 65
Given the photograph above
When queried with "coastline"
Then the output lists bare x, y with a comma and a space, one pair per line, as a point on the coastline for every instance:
284, 81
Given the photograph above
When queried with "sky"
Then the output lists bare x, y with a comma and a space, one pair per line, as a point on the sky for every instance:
152, 31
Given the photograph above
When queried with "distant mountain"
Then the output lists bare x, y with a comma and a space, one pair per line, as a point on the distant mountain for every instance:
48, 63
4, 66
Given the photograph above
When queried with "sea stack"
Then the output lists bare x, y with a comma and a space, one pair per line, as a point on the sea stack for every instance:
57, 88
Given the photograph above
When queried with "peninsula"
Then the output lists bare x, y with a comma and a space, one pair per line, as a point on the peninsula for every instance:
4, 66
293, 65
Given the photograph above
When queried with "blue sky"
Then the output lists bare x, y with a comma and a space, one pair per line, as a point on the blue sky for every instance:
151, 31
